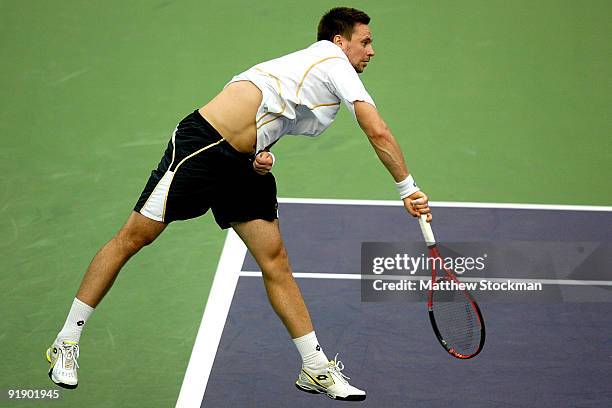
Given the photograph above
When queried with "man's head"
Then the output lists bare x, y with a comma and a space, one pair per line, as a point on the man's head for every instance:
348, 29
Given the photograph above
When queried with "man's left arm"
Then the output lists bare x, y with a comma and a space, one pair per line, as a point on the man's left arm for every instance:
390, 154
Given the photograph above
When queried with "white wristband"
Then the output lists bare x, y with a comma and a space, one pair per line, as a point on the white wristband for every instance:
407, 187
273, 158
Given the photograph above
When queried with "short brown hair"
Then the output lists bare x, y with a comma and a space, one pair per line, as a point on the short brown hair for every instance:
340, 20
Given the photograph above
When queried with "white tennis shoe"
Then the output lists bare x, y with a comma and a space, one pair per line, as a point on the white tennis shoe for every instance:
63, 359
330, 381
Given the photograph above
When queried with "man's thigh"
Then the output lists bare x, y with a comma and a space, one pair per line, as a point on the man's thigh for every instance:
262, 238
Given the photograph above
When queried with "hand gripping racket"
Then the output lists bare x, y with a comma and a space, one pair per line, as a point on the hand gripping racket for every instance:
453, 312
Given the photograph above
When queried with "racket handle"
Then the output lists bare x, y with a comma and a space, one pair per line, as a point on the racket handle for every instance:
427, 231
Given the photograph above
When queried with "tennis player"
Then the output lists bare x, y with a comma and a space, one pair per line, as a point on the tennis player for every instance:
219, 158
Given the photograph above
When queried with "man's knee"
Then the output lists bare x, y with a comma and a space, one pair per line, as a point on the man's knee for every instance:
275, 263
265, 243
132, 242
134, 236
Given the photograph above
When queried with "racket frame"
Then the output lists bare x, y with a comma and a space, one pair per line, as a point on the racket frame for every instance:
435, 253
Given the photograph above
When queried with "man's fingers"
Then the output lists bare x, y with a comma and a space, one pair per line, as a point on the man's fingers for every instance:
265, 159
420, 202
263, 163
413, 211
262, 168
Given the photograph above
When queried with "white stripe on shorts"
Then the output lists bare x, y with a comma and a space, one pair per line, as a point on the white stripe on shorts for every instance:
155, 207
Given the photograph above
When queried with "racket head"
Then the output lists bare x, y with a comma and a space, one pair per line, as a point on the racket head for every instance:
455, 316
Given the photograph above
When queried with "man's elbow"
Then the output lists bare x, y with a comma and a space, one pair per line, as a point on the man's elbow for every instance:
380, 133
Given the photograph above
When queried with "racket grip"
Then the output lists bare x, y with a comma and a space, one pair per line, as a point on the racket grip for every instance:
427, 231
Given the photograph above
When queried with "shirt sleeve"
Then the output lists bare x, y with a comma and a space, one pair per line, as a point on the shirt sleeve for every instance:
346, 85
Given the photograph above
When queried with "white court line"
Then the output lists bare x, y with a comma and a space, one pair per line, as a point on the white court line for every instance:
452, 204
356, 276
213, 321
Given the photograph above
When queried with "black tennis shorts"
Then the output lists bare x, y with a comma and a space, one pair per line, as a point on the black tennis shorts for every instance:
201, 170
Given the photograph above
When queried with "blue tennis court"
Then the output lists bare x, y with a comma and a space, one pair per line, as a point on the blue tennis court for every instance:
549, 354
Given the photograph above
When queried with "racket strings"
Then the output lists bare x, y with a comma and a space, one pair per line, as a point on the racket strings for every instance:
457, 321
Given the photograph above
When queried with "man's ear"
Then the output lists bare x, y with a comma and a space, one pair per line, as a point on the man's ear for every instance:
338, 40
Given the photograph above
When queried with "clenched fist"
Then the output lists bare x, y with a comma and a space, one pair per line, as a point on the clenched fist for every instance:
263, 162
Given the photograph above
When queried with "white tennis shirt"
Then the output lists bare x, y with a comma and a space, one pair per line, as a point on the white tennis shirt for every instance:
302, 91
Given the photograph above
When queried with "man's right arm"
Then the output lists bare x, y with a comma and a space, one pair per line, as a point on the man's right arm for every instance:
390, 154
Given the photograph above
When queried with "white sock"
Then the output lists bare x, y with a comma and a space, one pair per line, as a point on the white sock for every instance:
312, 354
77, 317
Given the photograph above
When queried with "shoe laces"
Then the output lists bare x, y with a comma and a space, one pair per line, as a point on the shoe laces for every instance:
337, 366
70, 354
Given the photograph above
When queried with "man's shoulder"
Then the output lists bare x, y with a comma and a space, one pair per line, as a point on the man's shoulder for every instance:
324, 44
323, 56
313, 55
319, 50
326, 48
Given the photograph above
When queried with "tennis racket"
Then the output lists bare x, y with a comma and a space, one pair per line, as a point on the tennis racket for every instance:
454, 314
